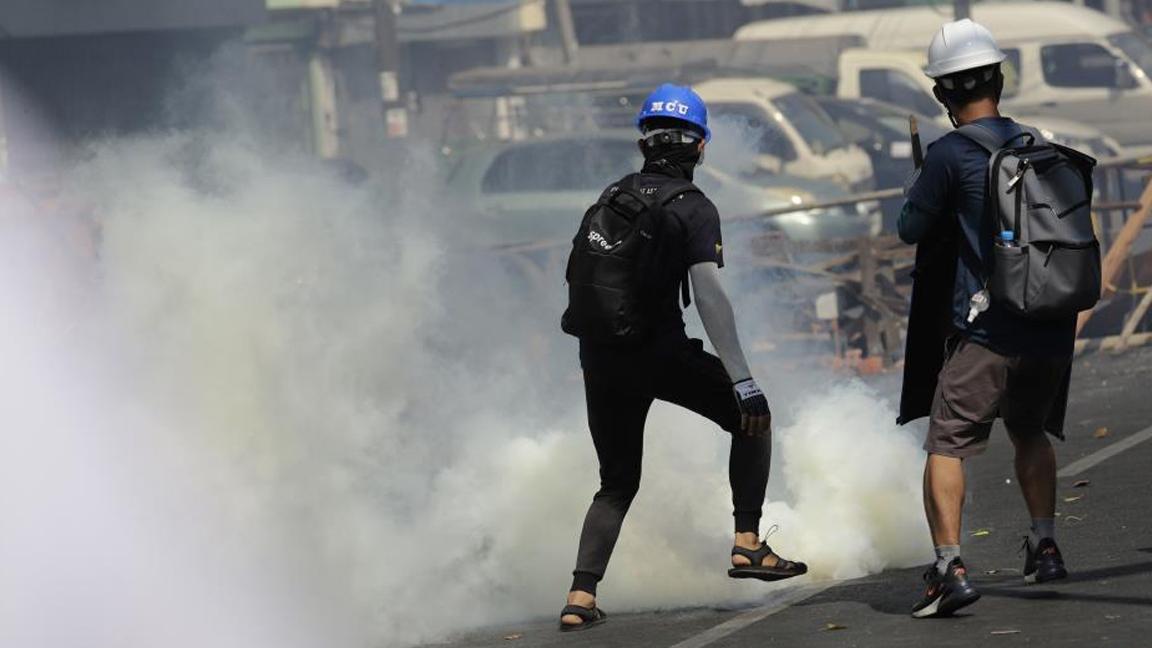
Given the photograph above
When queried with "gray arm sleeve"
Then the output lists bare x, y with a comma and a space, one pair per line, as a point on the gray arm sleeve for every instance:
719, 320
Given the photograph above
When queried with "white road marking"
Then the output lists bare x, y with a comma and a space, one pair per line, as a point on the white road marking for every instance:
784, 599
1107, 452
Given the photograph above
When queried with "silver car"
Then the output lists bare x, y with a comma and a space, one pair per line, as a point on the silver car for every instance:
537, 190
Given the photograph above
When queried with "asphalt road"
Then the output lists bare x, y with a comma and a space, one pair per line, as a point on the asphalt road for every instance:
1104, 530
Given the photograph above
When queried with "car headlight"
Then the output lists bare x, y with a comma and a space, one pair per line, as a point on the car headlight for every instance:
778, 197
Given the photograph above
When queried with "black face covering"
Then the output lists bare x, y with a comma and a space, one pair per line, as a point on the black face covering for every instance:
961, 89
680, 159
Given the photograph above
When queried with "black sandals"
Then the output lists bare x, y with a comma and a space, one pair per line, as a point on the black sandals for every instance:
781, 570
589, 616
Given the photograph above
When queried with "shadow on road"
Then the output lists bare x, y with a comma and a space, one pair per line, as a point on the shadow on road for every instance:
883, 598
1017, 590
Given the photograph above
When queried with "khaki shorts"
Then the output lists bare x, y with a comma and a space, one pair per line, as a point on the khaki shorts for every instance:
977, 385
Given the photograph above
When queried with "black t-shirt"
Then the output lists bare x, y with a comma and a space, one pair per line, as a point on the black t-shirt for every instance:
691, 235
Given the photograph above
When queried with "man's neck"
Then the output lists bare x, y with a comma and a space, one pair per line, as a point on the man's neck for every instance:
977, 110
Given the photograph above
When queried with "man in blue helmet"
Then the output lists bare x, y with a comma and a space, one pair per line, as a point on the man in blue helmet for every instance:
621, 382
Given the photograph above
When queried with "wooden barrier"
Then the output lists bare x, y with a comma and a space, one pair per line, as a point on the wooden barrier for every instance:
867, 269
1118, 253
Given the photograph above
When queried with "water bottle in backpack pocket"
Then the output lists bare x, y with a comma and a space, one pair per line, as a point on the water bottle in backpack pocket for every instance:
1046, 262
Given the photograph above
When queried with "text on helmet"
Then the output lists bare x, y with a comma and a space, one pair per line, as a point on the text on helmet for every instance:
674, 107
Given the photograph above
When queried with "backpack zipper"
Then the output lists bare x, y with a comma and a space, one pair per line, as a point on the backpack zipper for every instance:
1020, 170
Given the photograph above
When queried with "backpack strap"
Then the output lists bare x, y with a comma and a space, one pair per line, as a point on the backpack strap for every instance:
623, 183
992, 143
666, 194
672, 190
982, 136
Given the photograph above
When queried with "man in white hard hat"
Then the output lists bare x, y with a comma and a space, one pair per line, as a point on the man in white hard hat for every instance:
996, 364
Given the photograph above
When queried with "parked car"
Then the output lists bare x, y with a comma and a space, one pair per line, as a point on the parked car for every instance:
537, 190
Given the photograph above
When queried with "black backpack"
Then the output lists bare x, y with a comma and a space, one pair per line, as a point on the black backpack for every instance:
1042, 192
615, 262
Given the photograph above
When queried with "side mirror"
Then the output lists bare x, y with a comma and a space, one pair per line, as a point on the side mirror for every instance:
1125, 80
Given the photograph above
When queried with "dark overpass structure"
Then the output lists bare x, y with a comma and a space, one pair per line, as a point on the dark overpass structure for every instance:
72, 69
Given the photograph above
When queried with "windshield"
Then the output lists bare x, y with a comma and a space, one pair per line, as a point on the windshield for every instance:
560, 165
813, 124
1136, 48
895, 121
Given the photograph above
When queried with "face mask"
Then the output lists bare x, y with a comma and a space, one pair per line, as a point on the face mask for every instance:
678, 154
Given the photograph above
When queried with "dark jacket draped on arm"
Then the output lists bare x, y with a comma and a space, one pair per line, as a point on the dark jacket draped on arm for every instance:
930, 326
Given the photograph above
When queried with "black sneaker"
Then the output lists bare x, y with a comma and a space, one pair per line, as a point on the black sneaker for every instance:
945, 593
1044, 562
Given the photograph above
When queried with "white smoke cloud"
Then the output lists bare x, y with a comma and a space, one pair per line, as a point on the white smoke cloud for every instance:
284, 411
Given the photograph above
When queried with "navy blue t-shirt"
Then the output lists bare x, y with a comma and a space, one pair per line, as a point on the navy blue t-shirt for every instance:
952, 182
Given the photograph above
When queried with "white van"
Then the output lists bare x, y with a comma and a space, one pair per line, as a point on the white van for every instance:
1070, 61
895, 77
795, 135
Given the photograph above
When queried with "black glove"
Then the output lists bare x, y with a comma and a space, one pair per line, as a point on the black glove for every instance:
756, 417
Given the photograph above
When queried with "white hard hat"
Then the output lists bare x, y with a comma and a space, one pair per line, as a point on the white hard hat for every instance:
961, 45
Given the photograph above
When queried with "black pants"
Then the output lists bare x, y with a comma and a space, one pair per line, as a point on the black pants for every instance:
620, 387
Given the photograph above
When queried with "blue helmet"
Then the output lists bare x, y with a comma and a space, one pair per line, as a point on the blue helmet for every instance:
676, 102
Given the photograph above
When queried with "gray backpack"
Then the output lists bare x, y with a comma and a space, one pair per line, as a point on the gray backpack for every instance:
1042, 192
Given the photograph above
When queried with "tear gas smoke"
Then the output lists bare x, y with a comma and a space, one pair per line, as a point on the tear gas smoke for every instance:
279, 410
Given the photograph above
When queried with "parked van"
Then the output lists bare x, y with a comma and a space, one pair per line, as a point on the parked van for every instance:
794, 134
896, 77
1069, 61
